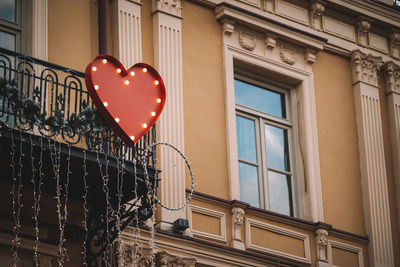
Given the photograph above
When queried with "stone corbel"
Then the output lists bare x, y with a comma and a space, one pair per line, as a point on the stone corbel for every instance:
310, 55
364, 25
321, 241
392, 78
237, 222
317, 10
228, 26
365, 67
270, 41
395, 44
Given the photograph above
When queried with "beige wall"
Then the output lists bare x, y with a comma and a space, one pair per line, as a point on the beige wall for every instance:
338, 147
204, 108
72, 33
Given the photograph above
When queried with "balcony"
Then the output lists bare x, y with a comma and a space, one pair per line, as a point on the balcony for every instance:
91, 158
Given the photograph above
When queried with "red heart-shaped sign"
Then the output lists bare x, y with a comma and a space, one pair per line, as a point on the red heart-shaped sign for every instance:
130, 100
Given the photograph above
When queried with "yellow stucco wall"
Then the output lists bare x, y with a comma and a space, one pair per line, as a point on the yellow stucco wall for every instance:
203, 95
338, 144
72, 42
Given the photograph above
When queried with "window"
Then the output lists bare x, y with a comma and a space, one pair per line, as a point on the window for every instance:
11, 24
264, 130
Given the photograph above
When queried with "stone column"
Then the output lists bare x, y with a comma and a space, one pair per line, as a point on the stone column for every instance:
372, 158
167, 32
392, 75
127, 39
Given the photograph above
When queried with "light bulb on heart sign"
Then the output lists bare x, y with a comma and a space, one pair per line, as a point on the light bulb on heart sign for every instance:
130, 100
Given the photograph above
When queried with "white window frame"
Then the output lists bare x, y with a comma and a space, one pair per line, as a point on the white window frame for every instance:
307, 136
16, 28
288, 123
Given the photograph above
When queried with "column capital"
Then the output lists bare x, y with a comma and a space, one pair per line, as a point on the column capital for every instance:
392, 77
171, 7
365, 67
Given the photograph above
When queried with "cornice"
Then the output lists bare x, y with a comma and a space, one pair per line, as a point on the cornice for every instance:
244, 17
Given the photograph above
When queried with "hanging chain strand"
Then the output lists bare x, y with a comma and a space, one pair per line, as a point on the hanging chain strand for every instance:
85, 210
35, 203
15, 241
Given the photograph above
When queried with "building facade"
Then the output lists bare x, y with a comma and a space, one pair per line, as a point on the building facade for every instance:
288, 112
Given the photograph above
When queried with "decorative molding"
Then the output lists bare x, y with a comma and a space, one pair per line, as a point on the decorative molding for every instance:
270, 41
378, 43
237, 222
365, 68
291, 11
339, 28
372, 158
321, 237
255, 3
269, 5
363, 29
316, 13
281, 231
272, 63
247, 41
395, 44
346, 247
39, 42
228, 27
310, 55
132, 255
287, 56
211, 213
28, 244
392, 78
167, 44
128, 37
170, 7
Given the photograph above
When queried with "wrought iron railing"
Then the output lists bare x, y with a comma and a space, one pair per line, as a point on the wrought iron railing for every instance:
57, 88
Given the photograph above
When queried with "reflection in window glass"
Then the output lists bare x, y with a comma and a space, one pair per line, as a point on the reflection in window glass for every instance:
7, 10
277, 150
261, 99
7, 40
279, 193
248, 179
246, 139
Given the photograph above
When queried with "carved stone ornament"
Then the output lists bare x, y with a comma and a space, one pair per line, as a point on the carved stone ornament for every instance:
363, 28
321, 236
237, 221
392, 77
172, 7
395, 45
365, 67
310, 55
270, 40
288, 56
317, 10
142, 257
227, 27
247, 41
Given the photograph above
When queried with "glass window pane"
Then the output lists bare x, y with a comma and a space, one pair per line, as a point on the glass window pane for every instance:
7, 40
261, 99
246, 139
248, 179
7, 10
279, 193
277, 147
